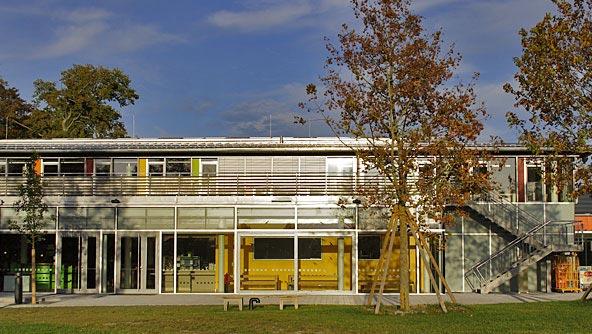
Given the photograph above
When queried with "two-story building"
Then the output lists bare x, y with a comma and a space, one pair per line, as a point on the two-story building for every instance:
215, 215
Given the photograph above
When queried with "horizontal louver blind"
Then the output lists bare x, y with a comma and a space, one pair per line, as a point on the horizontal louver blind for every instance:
258, 165
285, 165
231, 165
312, 164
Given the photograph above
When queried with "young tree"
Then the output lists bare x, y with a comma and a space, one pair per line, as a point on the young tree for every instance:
32, 209
553, 90
14, 113
84, 104
388, 84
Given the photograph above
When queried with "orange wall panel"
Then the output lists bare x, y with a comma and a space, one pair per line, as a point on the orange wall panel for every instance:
585, 223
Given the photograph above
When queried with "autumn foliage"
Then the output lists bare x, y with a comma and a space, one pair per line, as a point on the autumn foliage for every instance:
391, 85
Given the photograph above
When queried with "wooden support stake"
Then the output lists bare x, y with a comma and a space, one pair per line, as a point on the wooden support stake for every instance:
385, 268
377, 271
424, 252
585, 296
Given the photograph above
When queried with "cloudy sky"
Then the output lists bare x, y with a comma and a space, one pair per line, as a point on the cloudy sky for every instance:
221, 68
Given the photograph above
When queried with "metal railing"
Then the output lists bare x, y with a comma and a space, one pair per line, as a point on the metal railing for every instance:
504, 213
533, 234
252, 184
558, 234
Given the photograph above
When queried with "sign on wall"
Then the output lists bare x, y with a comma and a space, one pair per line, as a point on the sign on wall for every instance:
585, 276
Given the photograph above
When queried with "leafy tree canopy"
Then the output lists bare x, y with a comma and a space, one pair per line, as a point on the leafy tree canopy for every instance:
553, 88
391, 85
14, 113
84, 104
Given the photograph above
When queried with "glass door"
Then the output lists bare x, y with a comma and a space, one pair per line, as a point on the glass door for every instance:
137, 264
108, 263
78, 259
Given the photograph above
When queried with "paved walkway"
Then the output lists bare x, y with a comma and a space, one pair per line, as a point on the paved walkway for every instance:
51, 300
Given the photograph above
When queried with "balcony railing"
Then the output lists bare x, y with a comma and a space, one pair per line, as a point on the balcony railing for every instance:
254, 184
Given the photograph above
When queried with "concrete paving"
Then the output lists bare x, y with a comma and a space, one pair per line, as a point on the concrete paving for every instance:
52, 300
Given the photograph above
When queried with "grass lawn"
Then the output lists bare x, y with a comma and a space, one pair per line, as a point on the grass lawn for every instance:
548, 317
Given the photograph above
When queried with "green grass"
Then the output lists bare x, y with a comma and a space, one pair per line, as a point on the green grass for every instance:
549, 317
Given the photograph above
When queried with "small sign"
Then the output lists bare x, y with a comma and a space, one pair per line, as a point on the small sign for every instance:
585, 276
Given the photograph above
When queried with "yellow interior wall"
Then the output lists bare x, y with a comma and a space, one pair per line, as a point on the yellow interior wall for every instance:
264, 268
326, 267
366, 269
323, 269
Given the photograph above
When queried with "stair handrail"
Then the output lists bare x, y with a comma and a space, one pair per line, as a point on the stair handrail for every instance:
513, 244
495, 197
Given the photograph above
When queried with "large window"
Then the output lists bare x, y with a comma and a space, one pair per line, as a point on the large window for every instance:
156, 167
178, 166
51, 167
534, 183
125, 167
340, 172
309, 248
196, 263
373, 218
369, 247
16, 167
273, 248
266, 218
72, 167
209, 167
86, 218
326, 218
145, 218
205, 218
103, 166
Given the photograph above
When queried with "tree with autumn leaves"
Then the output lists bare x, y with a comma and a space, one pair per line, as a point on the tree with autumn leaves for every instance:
553, 92
391, 85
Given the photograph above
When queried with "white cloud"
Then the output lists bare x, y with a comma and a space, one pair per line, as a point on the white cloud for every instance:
261, 15
85, 30
424, 5
250, 117
498, 103
135, 37
70, 39
264, 18
83, 15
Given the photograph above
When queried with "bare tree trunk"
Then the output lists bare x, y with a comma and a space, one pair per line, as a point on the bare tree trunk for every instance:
33, 274
404, 265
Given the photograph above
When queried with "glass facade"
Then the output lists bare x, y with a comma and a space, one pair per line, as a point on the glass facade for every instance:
233, 228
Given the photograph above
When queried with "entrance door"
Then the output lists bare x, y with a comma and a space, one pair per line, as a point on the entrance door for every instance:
108, 263
78, 262
136, 263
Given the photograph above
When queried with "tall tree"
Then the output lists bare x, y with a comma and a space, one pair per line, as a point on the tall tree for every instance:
32, 218
553, 89
14, 113
388, 84
83, 106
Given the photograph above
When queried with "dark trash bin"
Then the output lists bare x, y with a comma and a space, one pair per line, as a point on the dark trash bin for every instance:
18, 289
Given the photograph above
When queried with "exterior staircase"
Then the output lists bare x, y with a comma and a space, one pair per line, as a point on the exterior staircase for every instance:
533, 240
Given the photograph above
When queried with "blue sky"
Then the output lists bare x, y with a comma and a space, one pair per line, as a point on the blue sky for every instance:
220, 68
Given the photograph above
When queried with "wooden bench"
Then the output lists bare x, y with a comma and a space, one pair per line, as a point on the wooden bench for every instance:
236, 299
287, 300
389, 286
249, 282
315, 282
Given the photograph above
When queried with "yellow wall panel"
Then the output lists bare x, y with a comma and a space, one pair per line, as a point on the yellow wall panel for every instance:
142, 167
